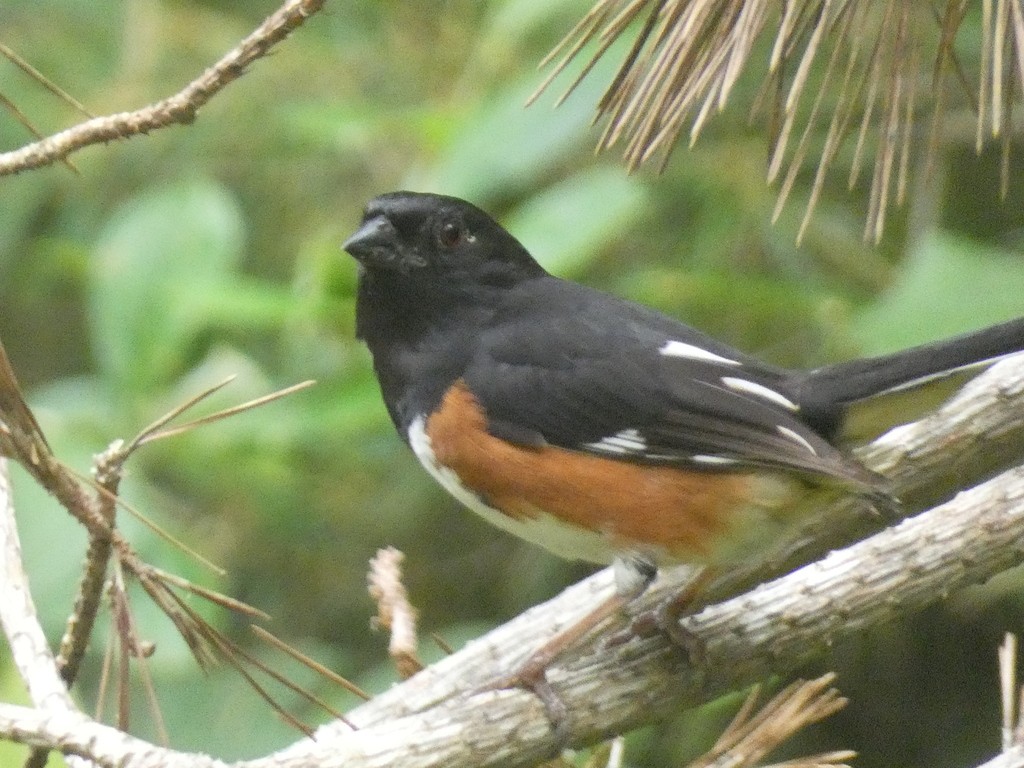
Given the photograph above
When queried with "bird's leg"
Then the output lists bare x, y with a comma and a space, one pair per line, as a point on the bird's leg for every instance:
665, 618
633, 574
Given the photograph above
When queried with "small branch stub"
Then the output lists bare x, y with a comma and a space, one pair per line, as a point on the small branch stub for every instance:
394, 611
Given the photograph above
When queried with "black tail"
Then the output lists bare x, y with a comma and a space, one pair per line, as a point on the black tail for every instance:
862, 398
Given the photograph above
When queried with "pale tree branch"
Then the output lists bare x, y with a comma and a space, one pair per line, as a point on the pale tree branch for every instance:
30, 651
1013, 758
75, 734
179, 109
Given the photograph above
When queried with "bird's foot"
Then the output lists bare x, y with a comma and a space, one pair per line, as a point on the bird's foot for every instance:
633, 574
532, 676
532, 673
664, 619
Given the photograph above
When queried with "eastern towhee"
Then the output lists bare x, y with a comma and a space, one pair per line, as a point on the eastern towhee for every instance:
596, 427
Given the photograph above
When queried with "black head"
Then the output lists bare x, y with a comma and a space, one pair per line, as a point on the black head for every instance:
437, 242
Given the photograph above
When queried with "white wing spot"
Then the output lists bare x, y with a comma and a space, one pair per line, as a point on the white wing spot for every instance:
759, 390
626, 441
796, 437
673, 348
707, 458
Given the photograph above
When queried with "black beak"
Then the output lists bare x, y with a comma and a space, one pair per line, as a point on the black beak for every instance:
374, 243
378, 245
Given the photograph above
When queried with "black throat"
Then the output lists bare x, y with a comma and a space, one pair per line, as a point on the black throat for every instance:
421, 338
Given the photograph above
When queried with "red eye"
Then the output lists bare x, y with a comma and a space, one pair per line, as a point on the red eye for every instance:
450, 234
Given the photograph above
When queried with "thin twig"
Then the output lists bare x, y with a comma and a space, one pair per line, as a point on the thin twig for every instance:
29, 648
79, 625
23, 440
132, 648
108, 496
180, 109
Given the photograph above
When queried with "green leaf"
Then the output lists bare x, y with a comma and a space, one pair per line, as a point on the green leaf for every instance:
514, 22
559, 225
504, 146
158, 260
949, 286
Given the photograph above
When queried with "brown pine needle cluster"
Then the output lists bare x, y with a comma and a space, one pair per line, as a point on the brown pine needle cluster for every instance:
22, 440
851, 76
754, 733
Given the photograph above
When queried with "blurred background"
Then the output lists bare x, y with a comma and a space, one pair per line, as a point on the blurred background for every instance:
171, 261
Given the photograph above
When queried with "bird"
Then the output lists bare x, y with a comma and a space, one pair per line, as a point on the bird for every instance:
599, 428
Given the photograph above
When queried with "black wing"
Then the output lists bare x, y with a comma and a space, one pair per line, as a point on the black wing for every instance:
581, 370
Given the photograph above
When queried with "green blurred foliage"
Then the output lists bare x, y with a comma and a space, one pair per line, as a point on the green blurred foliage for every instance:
170, 262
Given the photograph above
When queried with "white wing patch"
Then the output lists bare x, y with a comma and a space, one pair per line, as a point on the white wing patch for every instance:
712, 460
625, 442
748, 387
796, 437
673, 348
